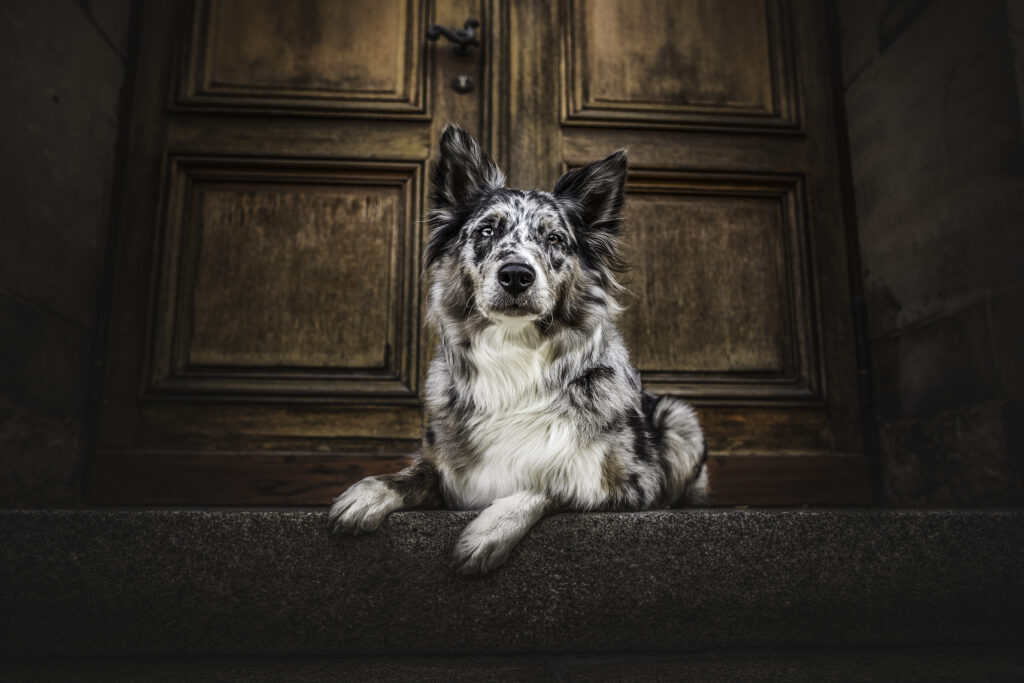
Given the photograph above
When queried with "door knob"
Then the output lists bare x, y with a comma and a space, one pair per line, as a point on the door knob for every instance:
463, 38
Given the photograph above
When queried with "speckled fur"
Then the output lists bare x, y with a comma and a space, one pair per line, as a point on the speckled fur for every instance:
532, 405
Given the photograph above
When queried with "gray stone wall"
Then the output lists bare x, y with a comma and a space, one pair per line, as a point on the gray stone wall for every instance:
62, 68
932, 94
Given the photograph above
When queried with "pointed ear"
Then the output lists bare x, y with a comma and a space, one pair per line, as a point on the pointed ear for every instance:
597, 190
594, 194
462, 171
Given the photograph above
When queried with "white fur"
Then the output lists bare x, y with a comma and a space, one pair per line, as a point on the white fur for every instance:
489, 538
363, 506
684, 450
523, 442
525, 250
697, 492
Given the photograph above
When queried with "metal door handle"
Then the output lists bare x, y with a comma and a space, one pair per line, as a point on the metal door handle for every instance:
463, 38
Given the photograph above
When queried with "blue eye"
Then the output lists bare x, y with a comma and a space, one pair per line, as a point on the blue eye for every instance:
486, 232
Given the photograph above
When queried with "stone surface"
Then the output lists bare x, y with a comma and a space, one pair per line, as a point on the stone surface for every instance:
1008, 337
1013, 424
956, 664
275, 584
111, 18
61, 85
932, 98
945, 365
38, 458
858, 34
61, 73
43, 359
935, 139
956, 457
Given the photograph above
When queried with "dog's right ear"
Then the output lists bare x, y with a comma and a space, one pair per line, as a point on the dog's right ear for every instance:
462, 171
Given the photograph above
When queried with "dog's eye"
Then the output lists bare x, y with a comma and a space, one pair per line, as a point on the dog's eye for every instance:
554, 238
486, 232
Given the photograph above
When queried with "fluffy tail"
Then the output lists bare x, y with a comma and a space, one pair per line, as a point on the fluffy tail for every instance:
683, 448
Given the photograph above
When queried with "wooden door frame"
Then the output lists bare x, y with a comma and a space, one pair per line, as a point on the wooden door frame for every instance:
514, 122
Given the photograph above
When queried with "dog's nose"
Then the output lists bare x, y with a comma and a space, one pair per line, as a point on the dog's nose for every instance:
515, 278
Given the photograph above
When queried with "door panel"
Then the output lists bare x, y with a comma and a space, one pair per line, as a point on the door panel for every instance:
264, 256
316, 55
692, 63
733, 219
266, 340
719, 306
264, 288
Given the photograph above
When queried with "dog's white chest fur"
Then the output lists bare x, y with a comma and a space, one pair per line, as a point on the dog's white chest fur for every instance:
523, 441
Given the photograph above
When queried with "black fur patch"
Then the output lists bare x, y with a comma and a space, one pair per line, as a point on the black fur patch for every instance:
588, 382
643, 440
593, 195
481, 247
417, 485
458, 301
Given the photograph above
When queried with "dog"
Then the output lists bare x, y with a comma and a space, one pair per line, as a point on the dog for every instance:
531, 404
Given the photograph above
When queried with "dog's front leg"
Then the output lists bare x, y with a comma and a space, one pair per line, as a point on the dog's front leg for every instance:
365, 504
487, 541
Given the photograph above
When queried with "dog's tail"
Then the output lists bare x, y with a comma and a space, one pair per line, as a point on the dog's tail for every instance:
683, 449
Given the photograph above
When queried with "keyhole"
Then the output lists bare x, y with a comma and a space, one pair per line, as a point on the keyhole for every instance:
462, 83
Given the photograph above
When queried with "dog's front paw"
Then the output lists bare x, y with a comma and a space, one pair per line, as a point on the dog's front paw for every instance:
481, 550
363, 507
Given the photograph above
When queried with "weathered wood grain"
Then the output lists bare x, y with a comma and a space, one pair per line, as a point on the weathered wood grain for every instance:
687, 64
246, 478
708, 273
331, 57
835, 479
292, 275
266, 340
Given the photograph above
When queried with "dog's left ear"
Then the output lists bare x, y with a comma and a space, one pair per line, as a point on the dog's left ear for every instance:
596, 193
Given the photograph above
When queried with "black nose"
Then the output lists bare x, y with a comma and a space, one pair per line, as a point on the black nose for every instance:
515, 278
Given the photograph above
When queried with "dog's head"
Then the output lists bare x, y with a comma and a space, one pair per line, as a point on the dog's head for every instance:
510, 255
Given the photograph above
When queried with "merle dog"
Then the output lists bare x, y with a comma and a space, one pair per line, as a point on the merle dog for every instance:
532, 405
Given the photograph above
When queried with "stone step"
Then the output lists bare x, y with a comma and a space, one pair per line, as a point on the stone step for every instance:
274, 583
946, 664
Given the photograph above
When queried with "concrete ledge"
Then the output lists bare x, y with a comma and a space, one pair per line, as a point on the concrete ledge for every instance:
956, 664
172, 583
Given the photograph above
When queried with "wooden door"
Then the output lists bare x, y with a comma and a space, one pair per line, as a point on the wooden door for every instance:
266, 339
733, 213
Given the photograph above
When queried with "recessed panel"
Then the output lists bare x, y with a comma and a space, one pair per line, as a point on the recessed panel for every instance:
357, 55
698, 53
710, 277
282, 277
349, 46
293, 275
683, 62
720, 303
